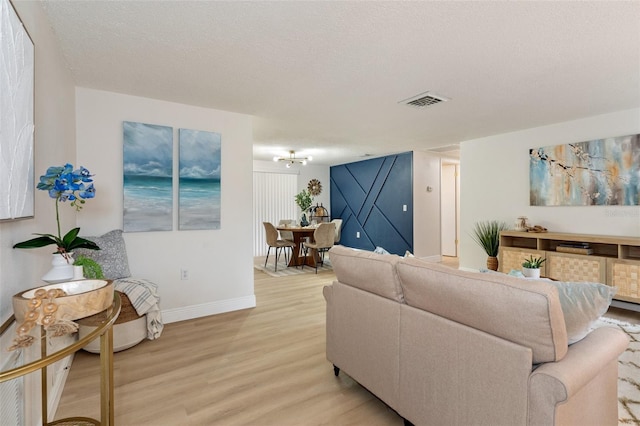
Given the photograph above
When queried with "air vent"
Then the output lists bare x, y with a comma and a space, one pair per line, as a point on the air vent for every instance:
424, 100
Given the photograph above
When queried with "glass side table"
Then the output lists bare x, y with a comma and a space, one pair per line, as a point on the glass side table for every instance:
39, 359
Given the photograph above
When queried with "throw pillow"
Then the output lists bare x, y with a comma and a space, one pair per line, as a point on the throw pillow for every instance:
582, 305
112, 255
380, 250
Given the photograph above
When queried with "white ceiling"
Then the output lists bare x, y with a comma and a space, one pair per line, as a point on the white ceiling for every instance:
324, 78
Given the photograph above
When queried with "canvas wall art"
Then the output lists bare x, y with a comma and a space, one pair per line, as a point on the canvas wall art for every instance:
601, 172
148, 177
16, 116
199, 184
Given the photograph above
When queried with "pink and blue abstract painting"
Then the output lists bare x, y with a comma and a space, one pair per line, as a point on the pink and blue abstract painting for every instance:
199, 190
600, 172
148, 177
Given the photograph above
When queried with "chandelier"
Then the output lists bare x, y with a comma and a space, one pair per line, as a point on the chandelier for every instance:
292, 159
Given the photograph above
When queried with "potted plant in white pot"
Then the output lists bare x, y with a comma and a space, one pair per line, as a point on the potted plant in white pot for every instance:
531, 266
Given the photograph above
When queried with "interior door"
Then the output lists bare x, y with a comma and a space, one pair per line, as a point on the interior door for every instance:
449, 209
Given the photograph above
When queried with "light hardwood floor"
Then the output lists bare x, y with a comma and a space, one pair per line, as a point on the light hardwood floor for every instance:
261, 366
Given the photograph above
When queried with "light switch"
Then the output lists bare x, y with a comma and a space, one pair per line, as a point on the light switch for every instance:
404, 207
357, 234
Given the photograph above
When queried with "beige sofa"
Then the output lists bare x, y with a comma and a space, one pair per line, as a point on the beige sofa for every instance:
447, 347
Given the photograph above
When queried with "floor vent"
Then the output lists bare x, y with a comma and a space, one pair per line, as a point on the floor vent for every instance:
424, 100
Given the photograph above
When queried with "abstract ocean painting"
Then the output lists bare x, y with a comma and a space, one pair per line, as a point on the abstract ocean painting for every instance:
148, 172
199, 189
601, 172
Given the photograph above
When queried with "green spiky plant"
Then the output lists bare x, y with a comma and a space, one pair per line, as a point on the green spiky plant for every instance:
533, 262
487, 235
90, 268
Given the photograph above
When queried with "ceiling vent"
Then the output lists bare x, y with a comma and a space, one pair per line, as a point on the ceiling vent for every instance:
424, 100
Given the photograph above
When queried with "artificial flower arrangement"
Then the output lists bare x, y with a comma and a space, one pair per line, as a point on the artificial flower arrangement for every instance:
65, 184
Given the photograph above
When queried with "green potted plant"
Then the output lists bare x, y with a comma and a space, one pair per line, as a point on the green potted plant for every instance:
304, 201
531, 266
487, 235
90, 268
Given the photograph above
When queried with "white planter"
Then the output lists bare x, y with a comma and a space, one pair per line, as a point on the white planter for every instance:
531, 272
62, 269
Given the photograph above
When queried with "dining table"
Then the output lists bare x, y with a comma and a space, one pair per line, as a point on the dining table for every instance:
300, 234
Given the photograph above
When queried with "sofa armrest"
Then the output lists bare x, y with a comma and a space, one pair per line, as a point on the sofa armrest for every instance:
326, 292
554, 383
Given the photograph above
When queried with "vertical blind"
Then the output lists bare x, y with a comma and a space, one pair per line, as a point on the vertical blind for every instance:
273, 200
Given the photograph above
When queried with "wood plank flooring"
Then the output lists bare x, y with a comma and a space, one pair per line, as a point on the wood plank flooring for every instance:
261, 366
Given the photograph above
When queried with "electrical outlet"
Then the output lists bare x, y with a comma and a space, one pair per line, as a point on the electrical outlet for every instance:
357, 234
184, 274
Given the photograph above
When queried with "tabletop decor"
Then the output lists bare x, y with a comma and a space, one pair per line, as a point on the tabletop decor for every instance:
304, 201
63, 183
531, 266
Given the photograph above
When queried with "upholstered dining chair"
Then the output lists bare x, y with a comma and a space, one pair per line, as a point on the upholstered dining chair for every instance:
323, 237
273, 241
338, 223
286, 235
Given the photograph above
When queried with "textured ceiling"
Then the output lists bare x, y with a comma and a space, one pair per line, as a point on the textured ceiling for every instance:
325, 78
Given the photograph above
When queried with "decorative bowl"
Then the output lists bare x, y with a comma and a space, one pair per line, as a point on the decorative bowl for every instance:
83, 298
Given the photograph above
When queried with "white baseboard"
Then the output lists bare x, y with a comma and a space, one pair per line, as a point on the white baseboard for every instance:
206, 309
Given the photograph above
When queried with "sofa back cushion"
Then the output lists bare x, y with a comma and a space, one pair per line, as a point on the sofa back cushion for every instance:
524, 312
375, 273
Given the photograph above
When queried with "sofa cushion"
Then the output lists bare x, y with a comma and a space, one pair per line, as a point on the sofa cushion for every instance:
507, 307
582, 304
375, 273
112, 255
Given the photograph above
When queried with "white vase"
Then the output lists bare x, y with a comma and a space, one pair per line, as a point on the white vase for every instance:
531, 272
62, 269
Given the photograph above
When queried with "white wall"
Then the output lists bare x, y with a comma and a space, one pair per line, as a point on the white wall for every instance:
426, 205
54, 109
219, 262
54, 145
495, 183
305, 174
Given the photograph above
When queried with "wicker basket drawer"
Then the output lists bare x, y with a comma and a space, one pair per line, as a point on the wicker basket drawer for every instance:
625, 274
512, 258
576, 267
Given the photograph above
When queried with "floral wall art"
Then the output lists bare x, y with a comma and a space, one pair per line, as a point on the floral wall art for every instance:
16, 116
597, 172
148, 177
199, 189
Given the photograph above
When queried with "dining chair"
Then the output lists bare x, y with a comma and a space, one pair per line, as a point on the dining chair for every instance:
338, 223
273, 241
286, 235
323, 237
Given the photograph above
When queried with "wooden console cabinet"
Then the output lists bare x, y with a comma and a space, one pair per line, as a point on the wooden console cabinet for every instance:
615, 261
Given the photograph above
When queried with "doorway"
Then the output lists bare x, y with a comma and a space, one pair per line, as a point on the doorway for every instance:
450, 215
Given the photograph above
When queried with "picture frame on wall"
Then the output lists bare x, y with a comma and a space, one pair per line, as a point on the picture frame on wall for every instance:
199, 185
599, 172
17, 73
148, 177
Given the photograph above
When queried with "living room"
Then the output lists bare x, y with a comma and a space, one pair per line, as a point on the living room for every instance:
79, 123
